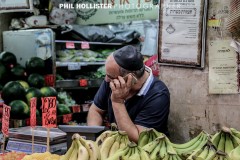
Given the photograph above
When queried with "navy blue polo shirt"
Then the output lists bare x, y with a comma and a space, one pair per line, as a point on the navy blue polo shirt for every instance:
150, 110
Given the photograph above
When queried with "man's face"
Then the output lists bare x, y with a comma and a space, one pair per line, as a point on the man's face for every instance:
112, 69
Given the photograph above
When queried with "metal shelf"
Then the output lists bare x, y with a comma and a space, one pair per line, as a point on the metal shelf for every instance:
65, 64
75, 84
95, 43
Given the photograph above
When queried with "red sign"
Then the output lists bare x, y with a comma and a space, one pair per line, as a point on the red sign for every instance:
49, 112
5, 119
85, 45
70, 45
33, 104
49, 79
83, 82
76, 109
67, 118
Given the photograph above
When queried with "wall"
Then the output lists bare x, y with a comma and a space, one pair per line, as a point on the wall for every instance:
192, 108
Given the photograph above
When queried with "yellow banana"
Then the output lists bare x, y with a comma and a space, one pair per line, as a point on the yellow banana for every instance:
124, 141
143, 138
135, 154
82, 151
163, 149
155, 151
228, 144
150, 146
74, 154
94, 151
143, 154
119, 154
115, 146
102, 137
106, 146
67, 155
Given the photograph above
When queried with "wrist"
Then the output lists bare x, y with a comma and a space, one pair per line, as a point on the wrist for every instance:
121, 101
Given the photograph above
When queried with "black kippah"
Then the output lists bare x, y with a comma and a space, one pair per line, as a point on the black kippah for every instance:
128, 58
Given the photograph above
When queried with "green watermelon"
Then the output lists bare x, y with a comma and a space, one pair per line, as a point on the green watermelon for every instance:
24, 84
8, 59
48, 92
18, 73
35, 65
63, 109
36, 80
19, 110
13, 90
34, 92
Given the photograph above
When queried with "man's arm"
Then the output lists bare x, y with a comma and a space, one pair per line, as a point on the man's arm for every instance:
94, 117
125, 123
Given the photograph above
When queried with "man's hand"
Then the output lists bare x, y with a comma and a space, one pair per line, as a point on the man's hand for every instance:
120, 88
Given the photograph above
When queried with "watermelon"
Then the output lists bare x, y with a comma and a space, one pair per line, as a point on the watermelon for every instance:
63, 109
35, 65
8, 59
24, 84
48, 92
3, 73
19, 110
13, 90
36, 80
34, 92
18, 73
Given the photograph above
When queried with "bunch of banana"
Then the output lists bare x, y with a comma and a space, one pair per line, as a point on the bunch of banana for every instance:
235, 154
113, 143
225, 141
160, 148
235, 132
221, 156
148, 136
82, 149
102, 137
130, 152
207, 152
186, 149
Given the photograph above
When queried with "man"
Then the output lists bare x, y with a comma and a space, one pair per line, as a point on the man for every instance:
132, 97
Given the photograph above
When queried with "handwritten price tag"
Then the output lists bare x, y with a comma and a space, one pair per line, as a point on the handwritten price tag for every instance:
85, 45
67, 118
49, 80
5, 119
33, 104
49, 112
70, 45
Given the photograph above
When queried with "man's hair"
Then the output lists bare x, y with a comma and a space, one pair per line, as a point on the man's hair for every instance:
138, 73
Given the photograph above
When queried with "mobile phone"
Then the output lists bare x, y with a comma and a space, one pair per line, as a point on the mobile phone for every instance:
134, 79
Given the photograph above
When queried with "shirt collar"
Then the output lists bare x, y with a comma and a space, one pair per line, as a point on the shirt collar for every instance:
147, 83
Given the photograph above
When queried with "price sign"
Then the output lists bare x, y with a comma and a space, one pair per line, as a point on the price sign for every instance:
49, 112
49, 80
83, 82
67, 118
85, 45
73, 66
70, 45
76, 109
5, 120
153, 64
33, 104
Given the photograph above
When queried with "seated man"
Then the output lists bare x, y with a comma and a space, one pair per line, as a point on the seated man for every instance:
130, 95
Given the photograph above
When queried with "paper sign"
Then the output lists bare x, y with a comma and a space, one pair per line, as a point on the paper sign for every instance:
76, 109
5, 119
83, 82
49, 112
70, 45
33, 104
85, 45
153, 64
74, 66
67, 118
49, 80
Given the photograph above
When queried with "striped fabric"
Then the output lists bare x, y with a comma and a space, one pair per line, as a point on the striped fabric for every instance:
233, 24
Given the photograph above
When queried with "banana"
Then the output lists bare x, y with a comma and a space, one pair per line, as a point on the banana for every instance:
143, 138
235, 153
123, 142
216, 138
150, 146
221, 144
74, 155
82, 151
195, 154
203, 154
135, 155
67, 155
211, 154
235, 132
93, 151
228, 144
151, 135
102, 137
189, 143
106, 146
155, 151
170, 148
163, 149
119, 154
115, 146
235, 140
143, 154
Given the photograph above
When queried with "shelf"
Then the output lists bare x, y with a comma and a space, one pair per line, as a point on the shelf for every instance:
96, 43
76, 84
66, 64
